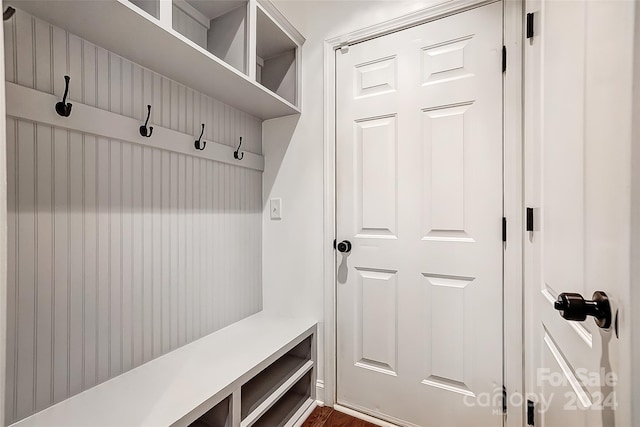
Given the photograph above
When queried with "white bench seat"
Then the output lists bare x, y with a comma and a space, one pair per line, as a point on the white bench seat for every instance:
178, 387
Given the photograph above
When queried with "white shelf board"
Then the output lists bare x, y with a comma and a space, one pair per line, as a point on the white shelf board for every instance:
123, 28
178, 387
275, 395
286, 412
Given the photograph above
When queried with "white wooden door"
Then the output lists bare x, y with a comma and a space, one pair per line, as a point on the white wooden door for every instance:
419, 196
576, 174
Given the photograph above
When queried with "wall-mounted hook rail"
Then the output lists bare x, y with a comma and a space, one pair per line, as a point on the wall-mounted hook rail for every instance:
144, 131
236, 154
199, 143
8, 13
63, 108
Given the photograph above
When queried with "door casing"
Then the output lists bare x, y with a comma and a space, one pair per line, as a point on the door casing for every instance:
512, 190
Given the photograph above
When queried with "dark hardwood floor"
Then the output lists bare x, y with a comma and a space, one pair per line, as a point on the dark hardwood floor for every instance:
324, 416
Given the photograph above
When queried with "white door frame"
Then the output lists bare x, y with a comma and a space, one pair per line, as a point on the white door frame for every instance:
512, 187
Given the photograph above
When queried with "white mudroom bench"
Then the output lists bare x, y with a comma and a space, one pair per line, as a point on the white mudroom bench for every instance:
259, 371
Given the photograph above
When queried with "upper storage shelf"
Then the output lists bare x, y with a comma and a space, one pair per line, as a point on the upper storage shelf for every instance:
276, 55
220, 27
206, 45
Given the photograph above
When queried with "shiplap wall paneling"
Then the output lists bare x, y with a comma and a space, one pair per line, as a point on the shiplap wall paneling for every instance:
118, 252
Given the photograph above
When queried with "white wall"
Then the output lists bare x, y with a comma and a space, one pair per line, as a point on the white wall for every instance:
293, 149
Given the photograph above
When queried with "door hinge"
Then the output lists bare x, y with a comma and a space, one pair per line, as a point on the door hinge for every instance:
529, 25
530, 225
504, 59
531, 413
504, 400
504, 229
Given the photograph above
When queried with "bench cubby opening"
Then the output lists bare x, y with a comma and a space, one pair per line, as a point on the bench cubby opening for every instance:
262, 391
289, 405
218, 416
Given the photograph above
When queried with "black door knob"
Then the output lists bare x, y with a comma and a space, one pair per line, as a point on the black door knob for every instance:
344, 246
574, 307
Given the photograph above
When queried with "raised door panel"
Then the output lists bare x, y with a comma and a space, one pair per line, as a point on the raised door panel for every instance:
377, 311
444, 175
376, 177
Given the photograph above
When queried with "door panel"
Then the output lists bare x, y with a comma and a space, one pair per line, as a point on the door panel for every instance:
443, 172
575, 179
376, 337
449, 330
377, 177
419, 184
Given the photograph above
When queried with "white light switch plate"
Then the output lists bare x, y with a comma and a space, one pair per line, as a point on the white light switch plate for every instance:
275, 207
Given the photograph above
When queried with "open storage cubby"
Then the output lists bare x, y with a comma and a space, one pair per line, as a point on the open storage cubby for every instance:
288, 405
263, 389
220, 27
218, 416
276, 58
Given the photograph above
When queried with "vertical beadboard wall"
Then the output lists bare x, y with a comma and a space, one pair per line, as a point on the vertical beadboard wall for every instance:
118, 253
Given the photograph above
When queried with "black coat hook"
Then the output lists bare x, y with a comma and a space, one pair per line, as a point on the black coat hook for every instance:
199, 141
144, 131
8, 13
235, 153
63, 108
